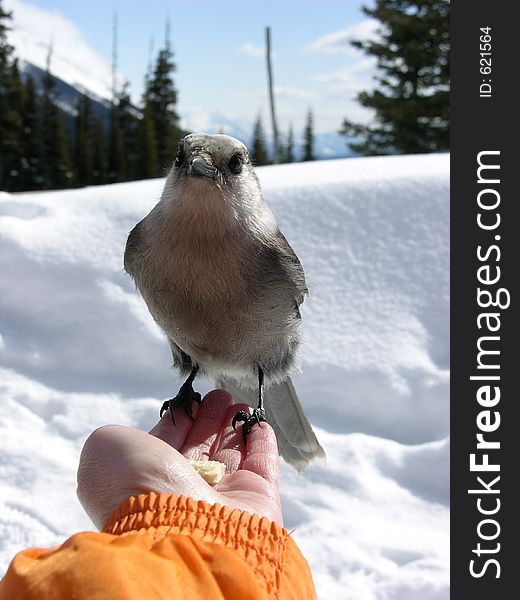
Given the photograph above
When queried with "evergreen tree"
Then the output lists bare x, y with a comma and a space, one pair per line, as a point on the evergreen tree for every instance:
259, 154
56, 149
122, 161
411, 102
11, 96
117, 168
84, 142
99, 158
289, 148
6, 59
11, 146
5, 49
308, 138
55, 163
162, 99
147, 165
31, 177
128, 123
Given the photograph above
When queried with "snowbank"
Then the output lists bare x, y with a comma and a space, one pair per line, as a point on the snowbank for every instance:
78, 349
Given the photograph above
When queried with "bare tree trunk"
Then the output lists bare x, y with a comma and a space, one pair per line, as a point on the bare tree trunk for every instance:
276, 157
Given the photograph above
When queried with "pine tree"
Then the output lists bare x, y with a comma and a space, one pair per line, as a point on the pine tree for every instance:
31, 177
12, 128
117, 168
308, 138
57, 149
55, 164
129, 122
162, 98
289, 148
411, 102
99, 155
122, 161
259, 154
6, 51
6, 59
5, 48
84, 146
147, 165
11, 97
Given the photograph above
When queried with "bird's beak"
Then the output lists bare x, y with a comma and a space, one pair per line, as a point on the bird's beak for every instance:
199, 167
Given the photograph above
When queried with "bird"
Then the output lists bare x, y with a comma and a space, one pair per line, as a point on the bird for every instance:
225, 286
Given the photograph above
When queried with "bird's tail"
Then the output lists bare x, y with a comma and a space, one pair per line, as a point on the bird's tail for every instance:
297, 442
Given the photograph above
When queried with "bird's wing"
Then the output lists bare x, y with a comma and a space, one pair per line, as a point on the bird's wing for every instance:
133, 249
293, 267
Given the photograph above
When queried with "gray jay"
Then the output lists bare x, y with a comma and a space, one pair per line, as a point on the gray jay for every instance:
225, 286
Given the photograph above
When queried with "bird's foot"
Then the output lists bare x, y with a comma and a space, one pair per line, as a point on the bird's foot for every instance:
249, 420
184, 399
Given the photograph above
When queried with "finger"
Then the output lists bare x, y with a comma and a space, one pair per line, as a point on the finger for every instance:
175, 434
262, 453
208, 425
231, 449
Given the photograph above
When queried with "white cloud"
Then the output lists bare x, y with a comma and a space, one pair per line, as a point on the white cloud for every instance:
73, 59
347, 82
292, 93
252, 51
339, 41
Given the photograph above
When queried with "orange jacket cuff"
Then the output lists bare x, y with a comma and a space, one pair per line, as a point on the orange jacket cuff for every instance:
266, 546
155, 546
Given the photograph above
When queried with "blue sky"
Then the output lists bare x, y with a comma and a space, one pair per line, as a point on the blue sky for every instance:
218, 50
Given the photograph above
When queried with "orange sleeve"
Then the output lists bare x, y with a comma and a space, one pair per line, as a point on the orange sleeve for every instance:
159, 546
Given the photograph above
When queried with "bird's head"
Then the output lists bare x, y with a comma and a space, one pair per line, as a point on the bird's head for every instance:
213, 174
218, 159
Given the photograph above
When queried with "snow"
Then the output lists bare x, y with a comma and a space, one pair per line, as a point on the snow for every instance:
34, 30
78, 349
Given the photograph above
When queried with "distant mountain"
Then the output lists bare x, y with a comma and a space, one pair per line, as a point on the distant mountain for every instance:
331, 144
39, 35
220, 123
67, 94
327, 144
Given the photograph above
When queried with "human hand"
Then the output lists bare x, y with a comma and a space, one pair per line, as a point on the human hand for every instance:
118, 462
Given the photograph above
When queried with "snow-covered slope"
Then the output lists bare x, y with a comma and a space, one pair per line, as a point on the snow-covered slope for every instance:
35, 30
78, 349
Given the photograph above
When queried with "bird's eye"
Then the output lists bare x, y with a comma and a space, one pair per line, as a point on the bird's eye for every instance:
179, 158
235, 164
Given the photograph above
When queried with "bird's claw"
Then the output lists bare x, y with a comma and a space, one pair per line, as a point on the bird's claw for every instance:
184, 399
249, 420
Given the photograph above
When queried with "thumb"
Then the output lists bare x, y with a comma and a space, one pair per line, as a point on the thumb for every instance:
118, 462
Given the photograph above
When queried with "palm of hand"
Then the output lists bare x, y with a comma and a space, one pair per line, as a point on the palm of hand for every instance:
118, 462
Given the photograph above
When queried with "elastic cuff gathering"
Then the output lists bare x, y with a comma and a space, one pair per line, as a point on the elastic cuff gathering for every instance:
180, 514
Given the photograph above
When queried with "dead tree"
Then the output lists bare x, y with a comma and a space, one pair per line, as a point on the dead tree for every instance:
276, 144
